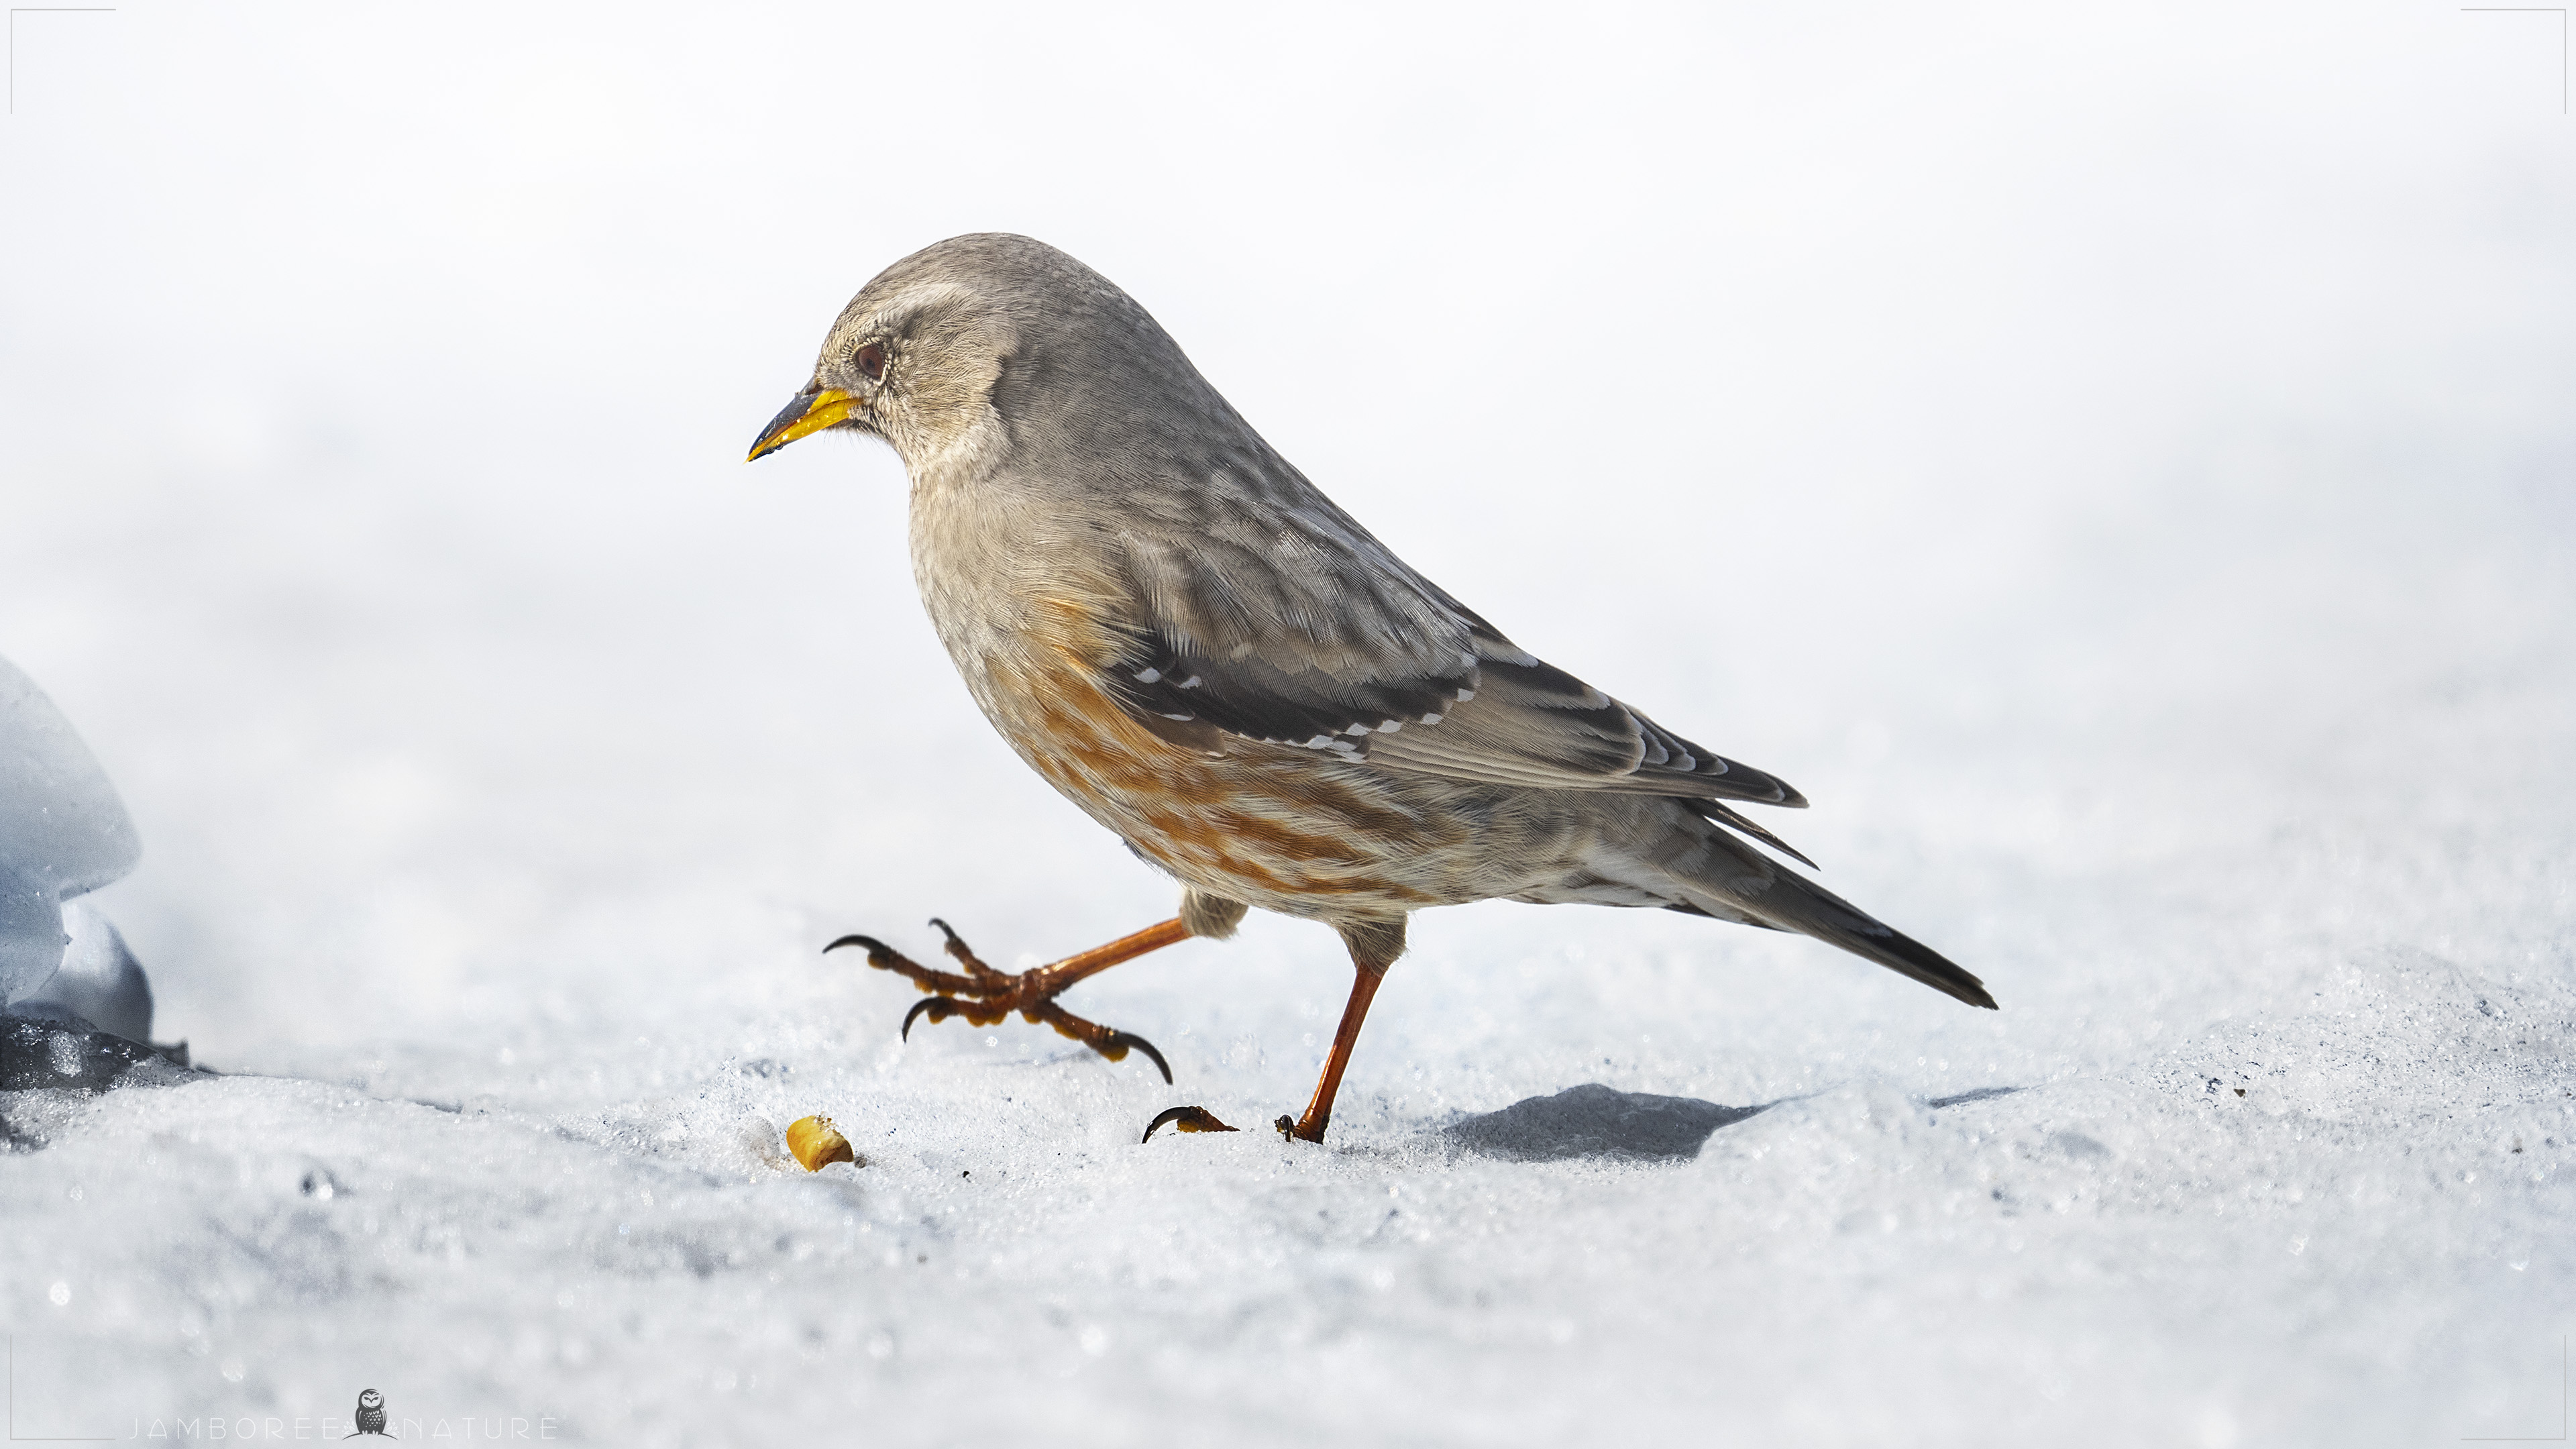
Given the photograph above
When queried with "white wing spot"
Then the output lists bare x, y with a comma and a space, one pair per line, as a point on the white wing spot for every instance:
1431, 719
1148, 675
1465, 695
1391, 726
1190, 683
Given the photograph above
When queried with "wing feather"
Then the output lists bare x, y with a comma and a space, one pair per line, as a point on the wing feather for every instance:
1280, 619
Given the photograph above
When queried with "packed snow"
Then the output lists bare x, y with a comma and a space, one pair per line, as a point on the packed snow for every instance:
2118, 467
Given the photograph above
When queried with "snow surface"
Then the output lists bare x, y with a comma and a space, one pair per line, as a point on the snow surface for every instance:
2118, 466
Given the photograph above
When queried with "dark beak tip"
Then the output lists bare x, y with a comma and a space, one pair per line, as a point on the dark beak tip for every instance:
797, 407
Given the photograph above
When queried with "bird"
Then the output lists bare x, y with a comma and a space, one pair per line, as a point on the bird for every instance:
371, 1415
1184, 636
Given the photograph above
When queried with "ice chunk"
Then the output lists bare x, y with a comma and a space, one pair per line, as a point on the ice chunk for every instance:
100, 982
63, 831
61, 823
31, 933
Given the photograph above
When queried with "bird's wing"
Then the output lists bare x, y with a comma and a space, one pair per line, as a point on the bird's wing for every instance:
1296, 627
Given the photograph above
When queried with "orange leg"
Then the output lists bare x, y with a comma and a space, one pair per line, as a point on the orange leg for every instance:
1319, 1108
989, 995
1374, 946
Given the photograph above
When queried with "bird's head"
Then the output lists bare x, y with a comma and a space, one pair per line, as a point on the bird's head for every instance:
949, 350
370, 1399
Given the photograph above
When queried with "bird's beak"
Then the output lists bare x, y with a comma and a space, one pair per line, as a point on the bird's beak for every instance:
810, 412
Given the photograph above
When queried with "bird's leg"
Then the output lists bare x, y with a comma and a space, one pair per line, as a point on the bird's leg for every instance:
1367, 977
983, 995
1374, 946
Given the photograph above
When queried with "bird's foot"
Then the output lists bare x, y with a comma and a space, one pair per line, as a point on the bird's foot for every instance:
984, 996
1301, 1129
1184, 1119
1200, 1119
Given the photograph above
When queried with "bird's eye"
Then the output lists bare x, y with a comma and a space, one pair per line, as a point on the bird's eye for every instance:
870, 360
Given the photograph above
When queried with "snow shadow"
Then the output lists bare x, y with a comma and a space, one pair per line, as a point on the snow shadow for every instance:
1596, 1121
1980, 1094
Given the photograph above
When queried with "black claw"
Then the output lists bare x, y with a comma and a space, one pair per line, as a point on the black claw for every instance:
872, 943
1191, 1119
939, 1007
963, 954
1287, 1126
1116, 1045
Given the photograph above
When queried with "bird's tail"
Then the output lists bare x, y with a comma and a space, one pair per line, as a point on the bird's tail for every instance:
1727, 878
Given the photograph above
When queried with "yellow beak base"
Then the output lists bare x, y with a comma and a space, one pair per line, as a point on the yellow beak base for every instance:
811, 412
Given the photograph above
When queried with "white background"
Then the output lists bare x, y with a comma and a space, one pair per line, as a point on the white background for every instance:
2118, 462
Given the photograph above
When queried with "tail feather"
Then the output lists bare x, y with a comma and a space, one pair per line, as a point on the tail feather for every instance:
1741, 882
